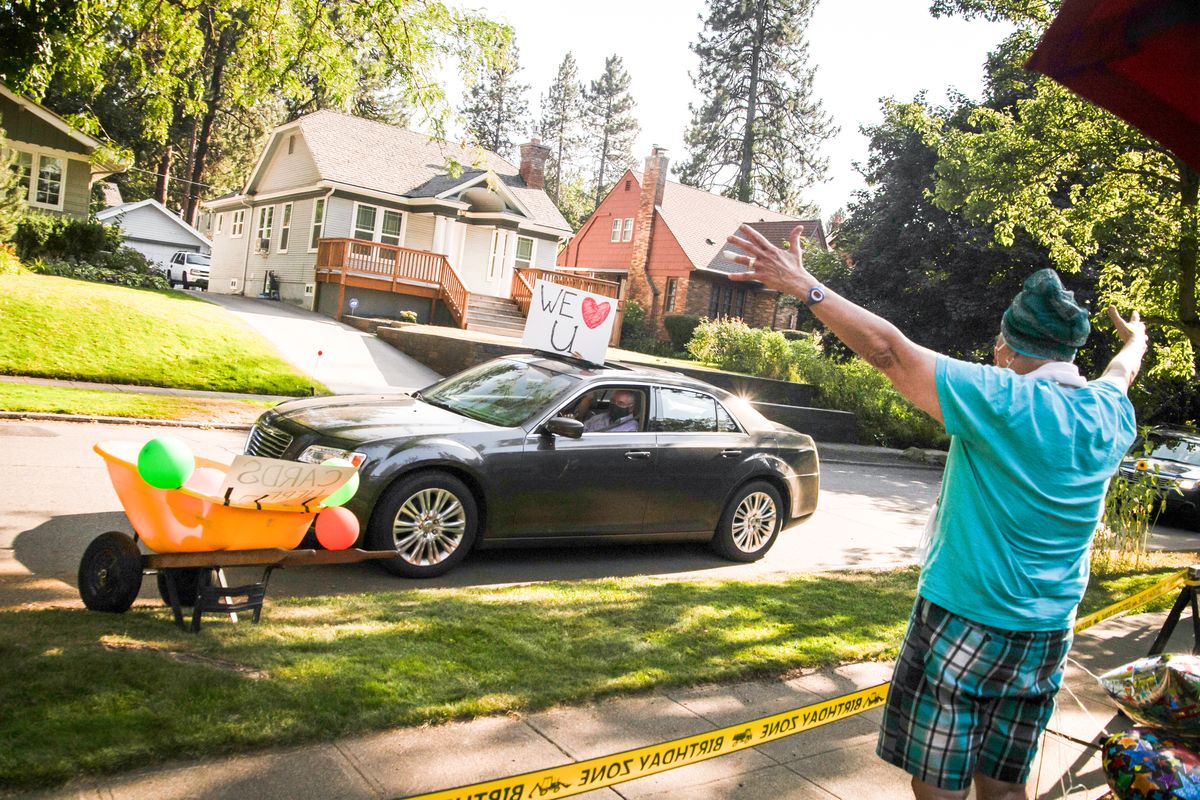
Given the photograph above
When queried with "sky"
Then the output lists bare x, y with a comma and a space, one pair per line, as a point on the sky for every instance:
863, 50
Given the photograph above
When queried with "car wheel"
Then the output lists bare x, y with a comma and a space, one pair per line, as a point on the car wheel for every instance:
188, 581
430, 519
750, 523
110, 573
185, 281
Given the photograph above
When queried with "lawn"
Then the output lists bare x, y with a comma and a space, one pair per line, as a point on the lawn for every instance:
86, 692
60, 328
52, 399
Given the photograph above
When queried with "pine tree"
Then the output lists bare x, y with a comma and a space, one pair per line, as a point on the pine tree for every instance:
759, 134
12, 203
612, 127
561, 126
495, 106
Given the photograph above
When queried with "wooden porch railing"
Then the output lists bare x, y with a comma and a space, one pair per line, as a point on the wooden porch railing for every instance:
522, 292
397, 266
533, 275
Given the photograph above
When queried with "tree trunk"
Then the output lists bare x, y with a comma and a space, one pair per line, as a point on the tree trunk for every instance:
603, 159
1189, 255
224, 45
744, 186
164, 172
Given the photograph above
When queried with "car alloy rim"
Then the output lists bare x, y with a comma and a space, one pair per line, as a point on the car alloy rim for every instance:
753, 521
429, 527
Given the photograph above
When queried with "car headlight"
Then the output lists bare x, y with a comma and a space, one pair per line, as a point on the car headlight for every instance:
1187, 486
319, 453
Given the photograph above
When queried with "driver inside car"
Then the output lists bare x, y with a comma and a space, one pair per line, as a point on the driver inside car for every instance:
619, 417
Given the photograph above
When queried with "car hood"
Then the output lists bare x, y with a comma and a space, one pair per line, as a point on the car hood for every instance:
1173, 469
366, 417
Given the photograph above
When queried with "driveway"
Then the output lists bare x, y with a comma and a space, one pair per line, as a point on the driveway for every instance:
345, 359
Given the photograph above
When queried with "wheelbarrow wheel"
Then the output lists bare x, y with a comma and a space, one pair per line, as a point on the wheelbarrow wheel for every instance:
188, 581
110, 574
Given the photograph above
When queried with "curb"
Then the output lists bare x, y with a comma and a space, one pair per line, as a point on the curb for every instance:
163, 423
901, 465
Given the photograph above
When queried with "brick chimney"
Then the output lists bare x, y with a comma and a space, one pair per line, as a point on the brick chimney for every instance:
533, 164
654, 181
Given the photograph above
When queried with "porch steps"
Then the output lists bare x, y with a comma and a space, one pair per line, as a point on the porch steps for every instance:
496, 315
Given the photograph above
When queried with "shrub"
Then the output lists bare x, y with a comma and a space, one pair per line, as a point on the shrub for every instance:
407, 316
680, 328
9, 263
633, 324
45, 236
123, 267
733, 345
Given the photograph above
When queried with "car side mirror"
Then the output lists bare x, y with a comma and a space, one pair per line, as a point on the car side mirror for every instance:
564, 426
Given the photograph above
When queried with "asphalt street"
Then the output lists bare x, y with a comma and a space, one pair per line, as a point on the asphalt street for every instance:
56, 497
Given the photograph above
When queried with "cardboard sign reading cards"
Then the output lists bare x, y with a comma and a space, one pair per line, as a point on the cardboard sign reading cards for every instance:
570, 321
271, 481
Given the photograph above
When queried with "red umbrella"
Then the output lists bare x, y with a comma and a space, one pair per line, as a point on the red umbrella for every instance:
1140, 59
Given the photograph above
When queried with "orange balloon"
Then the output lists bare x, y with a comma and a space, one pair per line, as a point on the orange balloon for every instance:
337, 528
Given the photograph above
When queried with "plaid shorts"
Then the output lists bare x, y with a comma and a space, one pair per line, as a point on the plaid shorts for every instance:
968, 698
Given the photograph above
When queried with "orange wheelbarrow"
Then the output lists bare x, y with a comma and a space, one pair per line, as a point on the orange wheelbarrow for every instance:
193, 534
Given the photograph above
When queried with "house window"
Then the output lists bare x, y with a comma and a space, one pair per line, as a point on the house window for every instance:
669, 299
285, 227
727, 301
714, 303
364, 222
524, 252
389, 232
24, 168
318, 223
47, 190
616, 231
220, 223
739, 304
628, 230
628, 184
291, 144
266, 221
237, 224
499, 248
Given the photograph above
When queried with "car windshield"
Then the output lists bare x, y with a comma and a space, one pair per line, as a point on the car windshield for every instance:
1175, 448
500, 392
202, 261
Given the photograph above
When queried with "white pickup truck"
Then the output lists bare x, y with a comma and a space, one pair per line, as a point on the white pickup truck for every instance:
188, 269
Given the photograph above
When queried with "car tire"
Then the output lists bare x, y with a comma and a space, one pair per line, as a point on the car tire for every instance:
185, 282
110, 573
188, 581
750, 523
431, 519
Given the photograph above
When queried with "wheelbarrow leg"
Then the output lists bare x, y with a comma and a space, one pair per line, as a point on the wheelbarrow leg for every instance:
173, 597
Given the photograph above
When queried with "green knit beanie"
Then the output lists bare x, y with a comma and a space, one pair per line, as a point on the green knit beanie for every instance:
1044, 321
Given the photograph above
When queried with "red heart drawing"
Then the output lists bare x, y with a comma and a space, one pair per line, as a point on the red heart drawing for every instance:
594, 313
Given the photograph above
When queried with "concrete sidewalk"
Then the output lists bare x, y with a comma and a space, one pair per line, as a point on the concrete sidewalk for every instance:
834, 761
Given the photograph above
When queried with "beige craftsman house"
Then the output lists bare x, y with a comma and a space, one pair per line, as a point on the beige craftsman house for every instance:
347, 215
56, 162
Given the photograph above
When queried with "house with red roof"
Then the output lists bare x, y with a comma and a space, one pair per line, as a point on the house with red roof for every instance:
663, 242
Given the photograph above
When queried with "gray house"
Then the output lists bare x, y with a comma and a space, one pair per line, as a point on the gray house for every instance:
57, 163
154, 230
341, 208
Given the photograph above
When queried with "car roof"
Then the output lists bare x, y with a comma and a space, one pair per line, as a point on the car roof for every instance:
1179, 431
613, 370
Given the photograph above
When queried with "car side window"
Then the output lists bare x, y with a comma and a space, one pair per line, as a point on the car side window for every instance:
614, 409
686, 411
725, 423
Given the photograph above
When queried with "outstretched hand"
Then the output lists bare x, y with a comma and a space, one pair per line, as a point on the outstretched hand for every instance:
1127, 329
777, 268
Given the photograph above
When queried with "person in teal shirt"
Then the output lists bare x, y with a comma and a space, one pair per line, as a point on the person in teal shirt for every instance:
1033, 446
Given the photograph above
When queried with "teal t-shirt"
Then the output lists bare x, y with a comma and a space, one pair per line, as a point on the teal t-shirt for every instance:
1023, 490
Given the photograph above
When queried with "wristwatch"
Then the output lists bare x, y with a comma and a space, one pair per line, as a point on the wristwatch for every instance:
815, 295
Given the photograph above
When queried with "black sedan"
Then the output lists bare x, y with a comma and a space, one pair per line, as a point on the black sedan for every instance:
534, 449
1172, 455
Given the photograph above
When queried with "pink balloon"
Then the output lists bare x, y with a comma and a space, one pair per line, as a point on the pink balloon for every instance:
337, 528
207, 481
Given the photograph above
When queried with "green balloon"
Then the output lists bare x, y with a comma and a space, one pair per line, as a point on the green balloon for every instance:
346, 490
165, 462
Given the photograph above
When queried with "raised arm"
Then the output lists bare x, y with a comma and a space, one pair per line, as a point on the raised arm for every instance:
907, 365
1125, 364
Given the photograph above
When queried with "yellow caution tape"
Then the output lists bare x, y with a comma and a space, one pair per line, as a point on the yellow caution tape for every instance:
597, 773
1141, 598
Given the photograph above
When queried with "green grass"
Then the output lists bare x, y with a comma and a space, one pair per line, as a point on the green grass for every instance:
55, 400
95, 693
60, 328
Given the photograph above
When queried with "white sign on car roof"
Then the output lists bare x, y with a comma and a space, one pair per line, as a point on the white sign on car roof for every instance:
570, 321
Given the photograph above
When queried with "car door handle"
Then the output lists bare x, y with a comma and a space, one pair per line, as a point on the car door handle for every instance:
730, 453
637, 455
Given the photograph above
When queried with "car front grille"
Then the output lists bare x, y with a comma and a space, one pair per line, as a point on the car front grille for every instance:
267, 441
